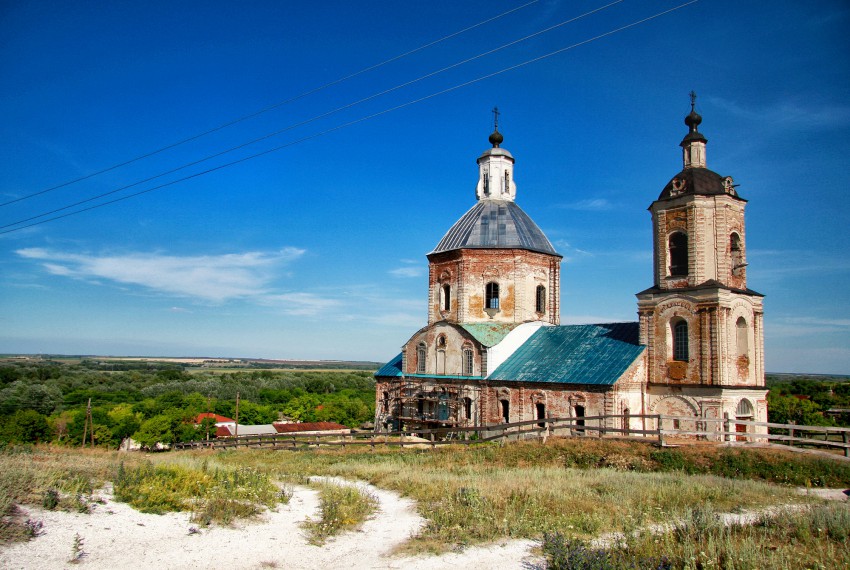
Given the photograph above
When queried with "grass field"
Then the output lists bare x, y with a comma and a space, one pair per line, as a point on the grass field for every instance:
568, 490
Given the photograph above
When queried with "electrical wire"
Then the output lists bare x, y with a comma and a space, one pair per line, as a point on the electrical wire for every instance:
271, 107
316, 117
366, 117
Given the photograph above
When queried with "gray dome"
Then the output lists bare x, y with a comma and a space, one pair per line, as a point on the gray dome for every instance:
495, 224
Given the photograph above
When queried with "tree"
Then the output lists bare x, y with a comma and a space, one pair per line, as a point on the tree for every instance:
155, 430
25, 426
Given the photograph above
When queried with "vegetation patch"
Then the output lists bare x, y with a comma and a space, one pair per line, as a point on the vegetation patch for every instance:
342, 507
473, 494
219, 495
815, 537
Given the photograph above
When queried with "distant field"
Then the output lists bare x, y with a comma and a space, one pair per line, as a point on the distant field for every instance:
224, 364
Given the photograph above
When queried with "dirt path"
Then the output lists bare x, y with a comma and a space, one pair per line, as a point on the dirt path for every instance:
116, 536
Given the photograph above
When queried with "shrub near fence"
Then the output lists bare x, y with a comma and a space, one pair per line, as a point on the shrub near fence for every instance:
661, 428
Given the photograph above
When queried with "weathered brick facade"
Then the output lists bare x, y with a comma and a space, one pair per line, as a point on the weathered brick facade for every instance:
494, 281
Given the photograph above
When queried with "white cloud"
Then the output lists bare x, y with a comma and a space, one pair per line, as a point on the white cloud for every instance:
589, 205
411, 268
790, 114
804, 326
407, 272
302, 304
209, 277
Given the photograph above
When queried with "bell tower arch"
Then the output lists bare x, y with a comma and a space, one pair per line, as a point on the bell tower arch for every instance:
702, 325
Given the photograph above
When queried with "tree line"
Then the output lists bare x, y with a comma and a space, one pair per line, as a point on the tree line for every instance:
46, 400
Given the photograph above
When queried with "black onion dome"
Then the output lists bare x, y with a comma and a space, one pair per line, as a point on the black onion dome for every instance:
496, 138
491, 224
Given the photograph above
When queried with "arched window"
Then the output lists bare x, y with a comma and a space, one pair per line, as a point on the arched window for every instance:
678, 254
447, 297
736, 253
506, 410
680, 340
540, 412
491, 296
540, 304
742, 336
744, 409
420, 358
468, 362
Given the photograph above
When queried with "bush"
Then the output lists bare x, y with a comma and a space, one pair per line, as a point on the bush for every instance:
25, 426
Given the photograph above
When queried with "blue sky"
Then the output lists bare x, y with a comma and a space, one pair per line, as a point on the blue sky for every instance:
317, 250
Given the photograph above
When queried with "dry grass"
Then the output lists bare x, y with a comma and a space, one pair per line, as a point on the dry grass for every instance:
579, 488
472, 495
341, 508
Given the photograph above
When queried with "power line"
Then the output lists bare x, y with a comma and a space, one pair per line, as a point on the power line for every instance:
365, 118
316, 117
271, 107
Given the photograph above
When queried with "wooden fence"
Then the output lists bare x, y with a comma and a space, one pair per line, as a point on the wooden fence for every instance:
660, 428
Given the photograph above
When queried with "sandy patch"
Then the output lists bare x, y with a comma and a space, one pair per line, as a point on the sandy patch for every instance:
116, 536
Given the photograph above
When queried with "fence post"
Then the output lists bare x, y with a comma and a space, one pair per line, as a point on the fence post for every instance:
601, 426
660, 433
791, 433
846, 449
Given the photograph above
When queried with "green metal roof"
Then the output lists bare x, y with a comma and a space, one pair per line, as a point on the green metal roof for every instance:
573, 354
489, 334
390, 369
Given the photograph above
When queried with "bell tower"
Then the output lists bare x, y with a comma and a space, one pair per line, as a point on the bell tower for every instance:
702, 325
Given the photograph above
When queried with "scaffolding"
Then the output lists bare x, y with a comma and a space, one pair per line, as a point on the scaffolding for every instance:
411, 403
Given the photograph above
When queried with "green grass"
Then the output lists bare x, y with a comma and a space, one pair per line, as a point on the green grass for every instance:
815, 538
341, 508
218, 495
575, 488
582, 488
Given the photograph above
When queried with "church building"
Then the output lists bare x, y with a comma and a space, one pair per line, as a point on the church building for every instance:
494, 351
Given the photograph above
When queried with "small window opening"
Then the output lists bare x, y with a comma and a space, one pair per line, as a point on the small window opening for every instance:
743, 337
447, 297
467, 408
492, 296
486, 183
675, 424
468, 362
678, 254
579, 419
540, 304
540, 410
506, 410
680, 340
507, 181
420, 358
386, 401
736, 253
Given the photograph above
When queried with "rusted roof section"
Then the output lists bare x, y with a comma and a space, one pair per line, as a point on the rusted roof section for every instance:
699, 182
489, 334
308, 426
574, 354
495, 224
218, 419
